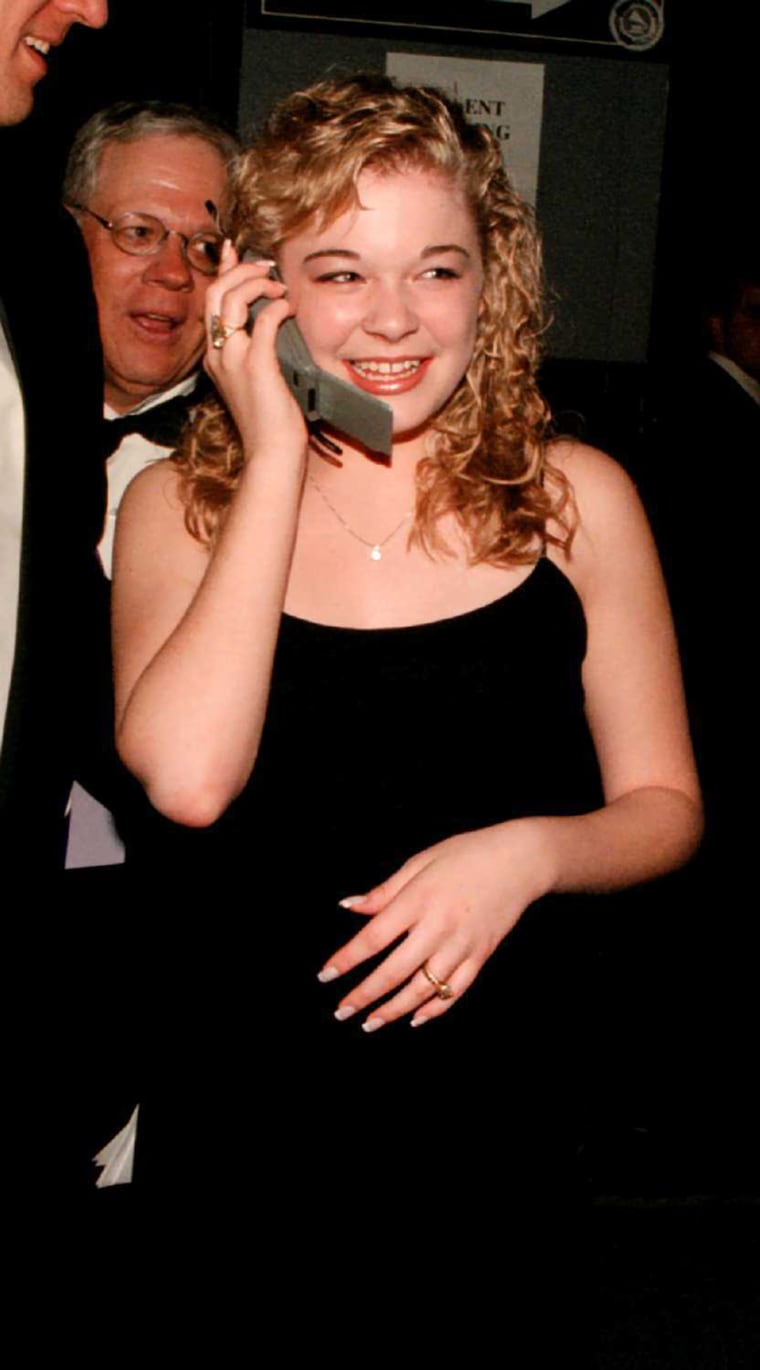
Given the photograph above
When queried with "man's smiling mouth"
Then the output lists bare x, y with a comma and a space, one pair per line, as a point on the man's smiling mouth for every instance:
39, 45
159, 325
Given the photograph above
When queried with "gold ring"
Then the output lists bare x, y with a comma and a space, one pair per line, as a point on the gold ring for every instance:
442, 989
219, 331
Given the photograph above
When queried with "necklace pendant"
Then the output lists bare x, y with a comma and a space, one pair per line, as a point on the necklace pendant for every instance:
375, 554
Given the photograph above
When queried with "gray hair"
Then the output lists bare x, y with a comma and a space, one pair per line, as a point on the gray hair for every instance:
128, 122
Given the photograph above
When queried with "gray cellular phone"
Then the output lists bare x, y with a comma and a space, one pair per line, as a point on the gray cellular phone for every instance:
324, 398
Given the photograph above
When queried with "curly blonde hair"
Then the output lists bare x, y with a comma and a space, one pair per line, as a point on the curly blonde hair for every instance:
486, 461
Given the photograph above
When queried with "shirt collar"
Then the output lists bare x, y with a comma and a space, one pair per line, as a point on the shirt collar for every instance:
184, 387
746, 382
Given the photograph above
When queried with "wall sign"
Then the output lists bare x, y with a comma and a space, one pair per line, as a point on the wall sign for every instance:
626, 26
507, 96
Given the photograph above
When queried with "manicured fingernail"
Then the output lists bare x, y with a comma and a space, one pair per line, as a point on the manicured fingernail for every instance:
329, 973
352, 899
372, 1024
417, 1021
343, 1013
226, 249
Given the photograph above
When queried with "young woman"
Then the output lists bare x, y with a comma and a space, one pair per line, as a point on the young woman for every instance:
386, 707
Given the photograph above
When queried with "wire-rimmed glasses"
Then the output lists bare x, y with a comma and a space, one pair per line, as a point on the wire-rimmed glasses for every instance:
141, 235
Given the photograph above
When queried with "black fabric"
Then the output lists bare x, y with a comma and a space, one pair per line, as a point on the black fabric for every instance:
162, 423
59, 665
376, 745
703, 458
359, 1176
51, 952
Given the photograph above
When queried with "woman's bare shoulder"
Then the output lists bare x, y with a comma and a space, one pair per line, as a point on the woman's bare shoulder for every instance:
603, 492
611, 527
592, 473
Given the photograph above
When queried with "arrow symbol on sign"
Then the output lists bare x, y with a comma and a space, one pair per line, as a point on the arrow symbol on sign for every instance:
538, 8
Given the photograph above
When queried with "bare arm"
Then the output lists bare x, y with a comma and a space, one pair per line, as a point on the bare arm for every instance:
454, 903
635, 704
195, 632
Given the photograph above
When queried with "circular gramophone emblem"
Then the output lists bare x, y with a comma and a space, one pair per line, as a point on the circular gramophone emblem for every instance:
637, 24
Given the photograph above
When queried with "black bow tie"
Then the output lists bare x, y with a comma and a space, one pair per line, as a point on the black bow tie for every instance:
161, 424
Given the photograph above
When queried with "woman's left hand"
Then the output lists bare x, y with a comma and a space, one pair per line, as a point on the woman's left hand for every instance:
452, 905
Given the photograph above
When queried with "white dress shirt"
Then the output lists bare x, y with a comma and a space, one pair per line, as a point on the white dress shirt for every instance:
12, 450
132, 456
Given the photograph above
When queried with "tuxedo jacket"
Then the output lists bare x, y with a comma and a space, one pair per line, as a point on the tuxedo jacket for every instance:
64, 979
702, 491
58, 669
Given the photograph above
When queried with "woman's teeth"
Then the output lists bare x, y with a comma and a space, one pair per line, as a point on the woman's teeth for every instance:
38, 44
404, 368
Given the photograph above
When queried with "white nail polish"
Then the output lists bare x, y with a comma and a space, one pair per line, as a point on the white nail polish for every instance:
372, 1024
329, 973
417, 1022
343, 1013
351, 900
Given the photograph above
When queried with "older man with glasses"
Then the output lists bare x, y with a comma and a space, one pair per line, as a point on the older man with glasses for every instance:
139, 181
143, 182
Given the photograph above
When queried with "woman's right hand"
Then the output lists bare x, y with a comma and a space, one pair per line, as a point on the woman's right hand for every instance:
245, 369
198, 624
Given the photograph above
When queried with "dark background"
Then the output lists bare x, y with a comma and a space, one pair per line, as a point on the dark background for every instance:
677, 1057
184, 50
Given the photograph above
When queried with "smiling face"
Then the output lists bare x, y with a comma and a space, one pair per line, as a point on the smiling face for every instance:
388, 295
28, 30
151, 308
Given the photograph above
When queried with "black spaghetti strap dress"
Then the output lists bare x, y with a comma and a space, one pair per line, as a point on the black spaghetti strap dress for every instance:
377, 744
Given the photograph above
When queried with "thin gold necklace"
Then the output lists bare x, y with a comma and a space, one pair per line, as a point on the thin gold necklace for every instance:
375, 548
